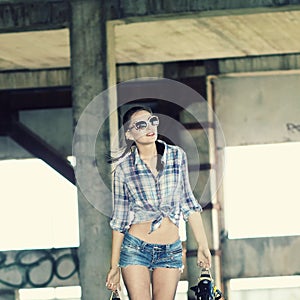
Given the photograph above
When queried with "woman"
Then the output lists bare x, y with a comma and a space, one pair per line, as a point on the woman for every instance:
151, 191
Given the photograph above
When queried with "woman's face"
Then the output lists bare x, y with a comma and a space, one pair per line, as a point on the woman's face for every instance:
146, 134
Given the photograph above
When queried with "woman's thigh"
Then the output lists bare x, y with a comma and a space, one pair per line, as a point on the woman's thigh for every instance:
164, 283
137, 281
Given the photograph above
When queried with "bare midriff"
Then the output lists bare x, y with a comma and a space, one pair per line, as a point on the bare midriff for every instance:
167, 233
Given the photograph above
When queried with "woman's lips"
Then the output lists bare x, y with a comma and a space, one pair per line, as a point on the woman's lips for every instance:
150, 134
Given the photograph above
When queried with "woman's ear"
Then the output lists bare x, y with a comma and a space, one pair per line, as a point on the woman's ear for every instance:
129, 136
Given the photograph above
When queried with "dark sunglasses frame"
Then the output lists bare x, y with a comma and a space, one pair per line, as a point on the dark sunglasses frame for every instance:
137, 124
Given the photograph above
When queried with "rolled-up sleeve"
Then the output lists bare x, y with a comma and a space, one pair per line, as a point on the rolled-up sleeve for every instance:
189, 203
120, 216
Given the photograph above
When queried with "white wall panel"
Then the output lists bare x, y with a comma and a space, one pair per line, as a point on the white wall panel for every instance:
258, 108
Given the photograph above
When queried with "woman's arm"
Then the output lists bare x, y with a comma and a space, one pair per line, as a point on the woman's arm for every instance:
117, 239
113, 276
118, 223
203, 255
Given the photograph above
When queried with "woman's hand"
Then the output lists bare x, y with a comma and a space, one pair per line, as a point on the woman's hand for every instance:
203, 254
113, 279
203, 258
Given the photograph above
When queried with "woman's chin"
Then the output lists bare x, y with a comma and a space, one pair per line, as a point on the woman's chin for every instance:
147, 139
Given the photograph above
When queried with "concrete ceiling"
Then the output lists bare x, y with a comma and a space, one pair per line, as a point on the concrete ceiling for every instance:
35, 50
209, 37
185, 38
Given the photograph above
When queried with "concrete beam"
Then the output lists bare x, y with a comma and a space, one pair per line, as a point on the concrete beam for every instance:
39, 148
133, 8
33, 15
36, 99
259, 63
19, 79
132, 71
30, 15
22, 79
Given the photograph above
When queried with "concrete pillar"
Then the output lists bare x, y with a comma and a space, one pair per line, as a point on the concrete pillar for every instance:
89, 78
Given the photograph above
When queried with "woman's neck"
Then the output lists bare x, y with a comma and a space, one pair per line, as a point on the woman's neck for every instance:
147, 151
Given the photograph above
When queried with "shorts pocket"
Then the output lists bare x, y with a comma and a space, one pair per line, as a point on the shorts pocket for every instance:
172, 255
132, 254
175, 254
130, 247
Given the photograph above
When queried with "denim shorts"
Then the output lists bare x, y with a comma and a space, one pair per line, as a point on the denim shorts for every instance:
137, 252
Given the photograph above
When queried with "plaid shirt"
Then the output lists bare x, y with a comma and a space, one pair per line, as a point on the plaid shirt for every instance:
139, 196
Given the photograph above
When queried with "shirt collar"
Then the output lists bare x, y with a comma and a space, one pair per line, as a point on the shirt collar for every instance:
161, 150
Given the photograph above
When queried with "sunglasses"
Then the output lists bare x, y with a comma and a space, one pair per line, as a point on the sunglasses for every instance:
142, 124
